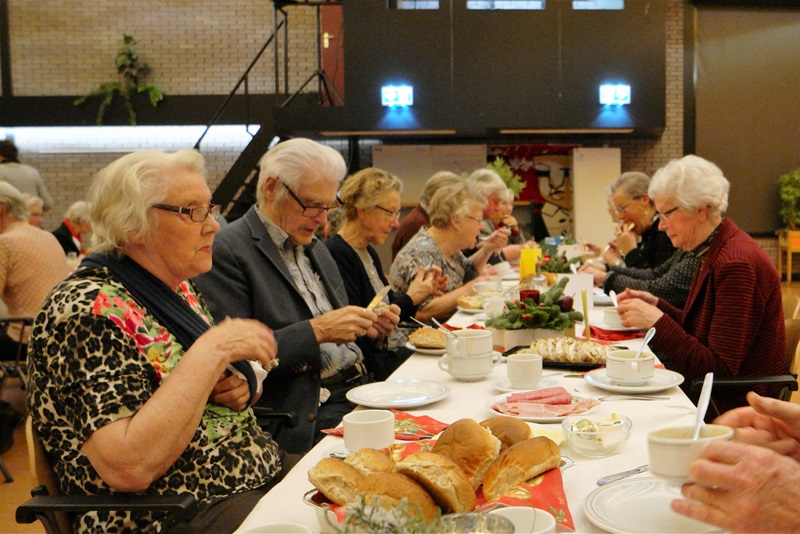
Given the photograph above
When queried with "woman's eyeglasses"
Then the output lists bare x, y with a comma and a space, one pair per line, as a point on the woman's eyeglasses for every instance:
621, 209
393, 215
198, 214
665, 216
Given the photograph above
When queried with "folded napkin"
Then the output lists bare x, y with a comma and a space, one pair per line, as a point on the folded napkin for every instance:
407, 427
473, 326
602, 335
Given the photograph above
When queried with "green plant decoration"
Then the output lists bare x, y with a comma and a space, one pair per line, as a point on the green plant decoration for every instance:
129, 71
790, 199
505, 172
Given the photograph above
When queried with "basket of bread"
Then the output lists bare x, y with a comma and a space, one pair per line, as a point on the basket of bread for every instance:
469, 465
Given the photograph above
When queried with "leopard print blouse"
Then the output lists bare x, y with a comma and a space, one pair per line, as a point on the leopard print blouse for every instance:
96, 356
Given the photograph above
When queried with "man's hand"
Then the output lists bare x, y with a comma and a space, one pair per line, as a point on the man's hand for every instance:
386, 320
343, 325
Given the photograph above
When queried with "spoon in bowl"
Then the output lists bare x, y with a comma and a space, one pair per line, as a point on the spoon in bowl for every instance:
647, 337
702, 404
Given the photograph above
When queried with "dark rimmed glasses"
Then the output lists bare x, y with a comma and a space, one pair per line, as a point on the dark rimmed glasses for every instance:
665, 216
393, 215
308, 211
198, 214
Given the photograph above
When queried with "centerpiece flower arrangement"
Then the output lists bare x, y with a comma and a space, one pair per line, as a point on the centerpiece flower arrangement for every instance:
553, 262
550, 310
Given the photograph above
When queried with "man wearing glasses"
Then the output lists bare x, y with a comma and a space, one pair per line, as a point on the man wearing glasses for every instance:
269, 265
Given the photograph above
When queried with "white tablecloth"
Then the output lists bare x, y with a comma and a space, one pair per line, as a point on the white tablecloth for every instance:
285, 504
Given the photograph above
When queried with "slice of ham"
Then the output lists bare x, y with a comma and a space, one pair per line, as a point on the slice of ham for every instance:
555, 395
535, 409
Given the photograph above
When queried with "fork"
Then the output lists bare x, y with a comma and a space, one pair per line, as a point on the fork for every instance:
631, 397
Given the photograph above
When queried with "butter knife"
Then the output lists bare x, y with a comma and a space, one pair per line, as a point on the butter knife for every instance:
619, 476
379, 297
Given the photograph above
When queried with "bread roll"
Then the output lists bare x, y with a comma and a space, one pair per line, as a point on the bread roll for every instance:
470, 302
388, 489
509, 430
427, 338
339, 482
370, 461
519, 463
472, 447
442, 478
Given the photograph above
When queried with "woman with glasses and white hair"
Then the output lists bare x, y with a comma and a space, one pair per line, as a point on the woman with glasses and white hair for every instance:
732, 321
132, 388
456, 214
370, 202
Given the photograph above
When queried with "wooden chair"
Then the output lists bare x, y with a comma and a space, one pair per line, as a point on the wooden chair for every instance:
791, 306
786, 246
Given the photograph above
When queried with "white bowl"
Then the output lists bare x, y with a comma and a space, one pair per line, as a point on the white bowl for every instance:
604, 442
526, 519
611, 317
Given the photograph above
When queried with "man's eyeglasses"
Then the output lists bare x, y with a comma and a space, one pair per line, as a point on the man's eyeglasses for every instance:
198, 214
308, 211
393, 215
665, 216
478, 220
621, 209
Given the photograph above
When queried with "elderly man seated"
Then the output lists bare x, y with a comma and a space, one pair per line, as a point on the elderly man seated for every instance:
269, 266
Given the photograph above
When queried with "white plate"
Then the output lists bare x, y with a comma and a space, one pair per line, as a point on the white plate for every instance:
639, 505
513, 274
618, 328
337, 451
397, 394
427, 352
503, 384
662, 379
471, 311
502, 398
602, 300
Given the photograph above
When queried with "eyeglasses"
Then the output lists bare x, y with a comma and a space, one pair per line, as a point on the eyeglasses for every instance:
621, 209
198, 214
393, 215
478, 220
665, 216
308, 211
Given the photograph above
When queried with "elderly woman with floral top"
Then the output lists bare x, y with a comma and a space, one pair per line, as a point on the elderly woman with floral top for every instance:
131, 387
456, 215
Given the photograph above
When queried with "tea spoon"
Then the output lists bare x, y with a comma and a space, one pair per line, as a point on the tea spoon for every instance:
613, 295
647, 337
702, 404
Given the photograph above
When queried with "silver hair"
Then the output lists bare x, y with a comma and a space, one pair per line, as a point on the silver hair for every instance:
633, 184
122, 194
453, 201
79, 211
32, 200
692, 182
364, 189
12, 199
297, 159
434, 183
486, 182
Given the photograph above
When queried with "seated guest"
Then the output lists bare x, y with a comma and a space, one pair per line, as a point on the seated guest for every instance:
23, 177
488, 183
456, 214
371, 204
418, 217
129, 383
35, 206
749, 484
31, 264
652, 265
74, 228
269, 266
732, 322
503, 218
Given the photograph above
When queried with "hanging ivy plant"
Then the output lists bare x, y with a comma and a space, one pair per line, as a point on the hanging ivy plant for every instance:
130, 73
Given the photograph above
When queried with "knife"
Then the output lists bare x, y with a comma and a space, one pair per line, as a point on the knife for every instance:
379, 297
625, 474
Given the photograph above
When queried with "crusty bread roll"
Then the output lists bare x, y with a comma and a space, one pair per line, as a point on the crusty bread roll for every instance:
427, 338
470, 302
509, 430
442, 478
370, 461
519, 463
388, 489
336, 480
472, 447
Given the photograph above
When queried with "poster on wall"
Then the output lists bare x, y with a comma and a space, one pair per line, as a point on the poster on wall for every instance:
546, 169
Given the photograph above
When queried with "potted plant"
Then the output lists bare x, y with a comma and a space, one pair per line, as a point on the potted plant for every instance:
789, 190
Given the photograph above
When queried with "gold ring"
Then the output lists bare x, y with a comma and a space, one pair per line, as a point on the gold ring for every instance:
274, 363
363, 312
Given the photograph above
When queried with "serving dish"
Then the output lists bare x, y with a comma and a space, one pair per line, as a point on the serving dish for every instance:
535, 419
567, 366
398, 393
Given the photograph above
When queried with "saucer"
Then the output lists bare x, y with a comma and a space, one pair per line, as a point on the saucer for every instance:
503, 384
662, 379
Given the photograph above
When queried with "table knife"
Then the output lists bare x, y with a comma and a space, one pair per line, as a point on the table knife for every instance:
619, 476
379, 297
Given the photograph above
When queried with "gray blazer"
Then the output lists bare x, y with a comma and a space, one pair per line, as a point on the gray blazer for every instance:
250, 279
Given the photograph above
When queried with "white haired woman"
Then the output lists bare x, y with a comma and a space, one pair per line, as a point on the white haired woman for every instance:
456, 214
129, 381
732, 322
76, 225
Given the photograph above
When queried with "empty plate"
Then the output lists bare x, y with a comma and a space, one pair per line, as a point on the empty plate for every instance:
397, 393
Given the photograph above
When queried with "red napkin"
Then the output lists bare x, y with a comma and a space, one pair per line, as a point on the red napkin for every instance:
408, 427
473, 326
610, 336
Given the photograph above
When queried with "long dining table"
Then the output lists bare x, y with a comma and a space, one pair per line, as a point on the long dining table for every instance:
284, 503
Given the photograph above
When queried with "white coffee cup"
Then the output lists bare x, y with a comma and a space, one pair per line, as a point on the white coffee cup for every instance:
672, 449
368, 428
493, 306
469, 369
524, 370
527, 519
502, 268
489, 286
625, 369
611, 316
467, 342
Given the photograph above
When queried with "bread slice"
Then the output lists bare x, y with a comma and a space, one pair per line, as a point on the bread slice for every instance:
518, 463
509, 430
470, 302
370, 461
472, 447
427, 338
387, 490
442, 478
339, 482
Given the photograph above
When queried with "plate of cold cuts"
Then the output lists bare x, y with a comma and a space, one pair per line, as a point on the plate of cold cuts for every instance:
546, 405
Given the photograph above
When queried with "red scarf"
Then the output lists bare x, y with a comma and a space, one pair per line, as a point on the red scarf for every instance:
76, 236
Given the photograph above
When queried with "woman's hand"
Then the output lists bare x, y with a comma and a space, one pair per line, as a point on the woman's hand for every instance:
231, 392
496, 241
598, 272
636, 294
423, 284
239, 339
637, 313
625, 240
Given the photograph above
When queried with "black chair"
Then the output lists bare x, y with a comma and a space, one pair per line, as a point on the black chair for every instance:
13, 365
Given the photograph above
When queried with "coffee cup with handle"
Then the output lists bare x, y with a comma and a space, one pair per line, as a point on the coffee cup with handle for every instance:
672, 449
625, 369
469, 369
468, 342
524, 370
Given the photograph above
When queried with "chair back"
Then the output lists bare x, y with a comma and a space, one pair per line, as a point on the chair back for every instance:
791, 306
42, 472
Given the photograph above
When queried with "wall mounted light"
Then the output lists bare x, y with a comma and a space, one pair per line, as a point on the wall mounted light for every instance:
615, 95
397, 95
